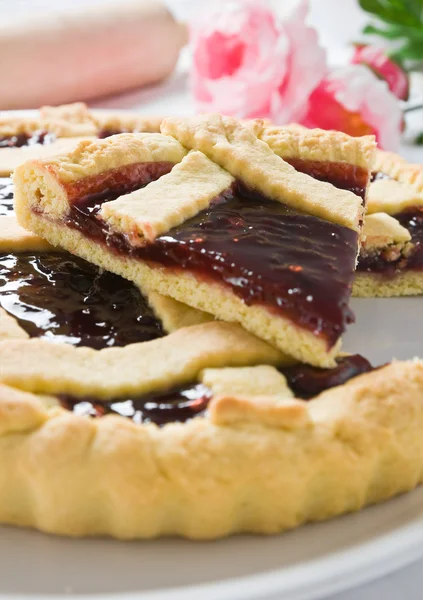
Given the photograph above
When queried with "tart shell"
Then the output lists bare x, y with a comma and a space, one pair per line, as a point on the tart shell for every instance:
354, 445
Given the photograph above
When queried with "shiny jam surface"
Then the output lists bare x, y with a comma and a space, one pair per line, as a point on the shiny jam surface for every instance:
187, 402
179, 404
25, 139
267, 253
62, 298
6, 196
411, 219
307, 381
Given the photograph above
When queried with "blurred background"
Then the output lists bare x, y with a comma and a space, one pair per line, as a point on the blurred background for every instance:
351, 65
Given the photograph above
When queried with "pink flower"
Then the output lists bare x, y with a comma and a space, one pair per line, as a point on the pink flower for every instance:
354, 100
249, 63
385, 68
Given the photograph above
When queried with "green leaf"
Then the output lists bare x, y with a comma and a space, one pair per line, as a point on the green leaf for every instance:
399, 12
419, 139
400, 21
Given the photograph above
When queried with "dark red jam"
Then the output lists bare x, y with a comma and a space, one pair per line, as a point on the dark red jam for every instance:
307, 381
65, 299
26, 139
387, 263
105, 133
6, 196
96, 189
179, 404
342, 175
412, 219
184, 403
267, 253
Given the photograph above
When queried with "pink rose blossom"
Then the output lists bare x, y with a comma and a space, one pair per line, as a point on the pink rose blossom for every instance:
385, 68
249, 63
354, 100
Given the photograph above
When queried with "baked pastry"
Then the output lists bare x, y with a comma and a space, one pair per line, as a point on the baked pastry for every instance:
58, 129
204, 432
250, 457
397, 190
169, 236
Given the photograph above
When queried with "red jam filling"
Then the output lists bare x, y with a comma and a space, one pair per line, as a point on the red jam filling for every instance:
184, 403
105, 133
266, 252
96, 189
179, 404
307, 381
25, 139
6, 196
341, 175
63, 298
411, 219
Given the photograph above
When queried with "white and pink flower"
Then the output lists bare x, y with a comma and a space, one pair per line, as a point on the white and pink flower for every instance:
384, 67
354, 100
247, 62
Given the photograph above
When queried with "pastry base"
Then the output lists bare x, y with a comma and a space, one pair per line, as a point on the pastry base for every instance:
10, 158
358, 444
374, 285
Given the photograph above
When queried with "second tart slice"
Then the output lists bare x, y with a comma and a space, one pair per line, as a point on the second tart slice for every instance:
232, 229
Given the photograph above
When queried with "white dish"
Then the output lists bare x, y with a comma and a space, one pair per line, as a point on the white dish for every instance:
305, 564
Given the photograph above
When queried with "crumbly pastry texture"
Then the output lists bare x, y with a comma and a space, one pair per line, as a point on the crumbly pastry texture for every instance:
267, 463
45, 188
380, 231
375, 285
384, 235
76, 120
392, 196
69, 124
11, 158
317, 144
403, 189
399, 169
236, 148
126, 121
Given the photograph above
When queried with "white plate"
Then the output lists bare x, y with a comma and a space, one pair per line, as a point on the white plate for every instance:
305, 564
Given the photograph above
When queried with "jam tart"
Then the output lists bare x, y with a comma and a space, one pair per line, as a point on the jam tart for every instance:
192, 435
209, 430
58, 129
209, 215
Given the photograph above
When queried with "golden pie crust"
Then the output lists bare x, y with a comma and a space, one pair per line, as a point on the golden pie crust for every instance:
256, 464
69, 123
259, 460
